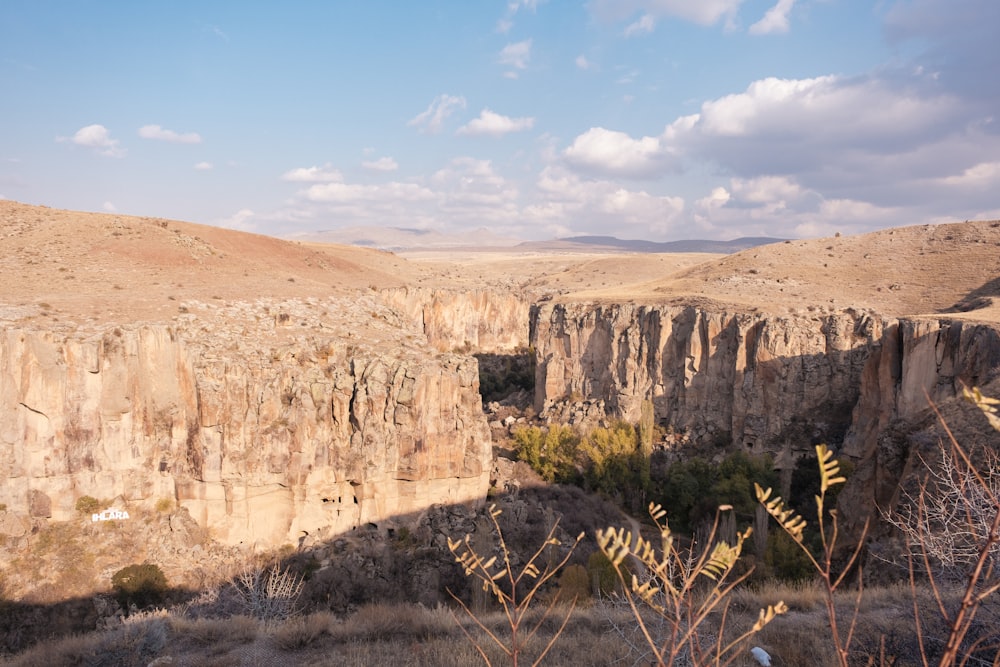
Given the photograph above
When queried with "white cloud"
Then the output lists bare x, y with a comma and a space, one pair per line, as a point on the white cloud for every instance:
239, 220
466, 192
702, 12
97, 137
582, 62
470, 189
493, 124
313, 174
765, 189
432, 119
381, 164
982, 175
803, 126
110, 207
779, 206
516, 55
507, 22
161, 134
349, 193
615, 153
643, 26
570, 202
775, 20
204, 166
218, 32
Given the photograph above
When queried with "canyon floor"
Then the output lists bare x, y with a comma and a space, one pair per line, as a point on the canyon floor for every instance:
96, 268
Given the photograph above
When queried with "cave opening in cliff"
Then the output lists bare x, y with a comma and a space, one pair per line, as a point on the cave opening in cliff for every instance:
507, 378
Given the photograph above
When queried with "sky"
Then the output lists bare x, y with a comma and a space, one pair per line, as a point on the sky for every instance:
533, 119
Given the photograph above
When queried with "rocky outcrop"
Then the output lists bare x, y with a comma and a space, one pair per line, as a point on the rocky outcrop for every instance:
893, 433
917, 360
765, 383
261, 438
484, 320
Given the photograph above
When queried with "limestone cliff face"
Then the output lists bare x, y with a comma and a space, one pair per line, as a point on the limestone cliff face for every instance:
892, 424
258, 443
776, 384
916, 360
484, 320
770, 384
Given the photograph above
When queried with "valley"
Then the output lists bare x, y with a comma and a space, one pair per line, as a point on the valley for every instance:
247, 394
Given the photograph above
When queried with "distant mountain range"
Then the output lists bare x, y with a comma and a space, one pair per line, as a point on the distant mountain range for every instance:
401, 239
583, 243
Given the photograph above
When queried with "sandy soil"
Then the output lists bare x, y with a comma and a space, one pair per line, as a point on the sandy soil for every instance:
91, 267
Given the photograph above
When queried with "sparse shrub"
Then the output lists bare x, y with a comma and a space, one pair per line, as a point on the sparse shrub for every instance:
87, 505
822, 562
574, 584
270, 594
164, 505
141, 585
299, 633
603, 578
785, 560
682, 587
514, 589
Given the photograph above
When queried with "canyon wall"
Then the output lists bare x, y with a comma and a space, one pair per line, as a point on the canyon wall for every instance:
484, 320
766, 383
260, 444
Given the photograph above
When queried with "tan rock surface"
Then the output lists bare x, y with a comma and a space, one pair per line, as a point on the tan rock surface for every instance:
268, 385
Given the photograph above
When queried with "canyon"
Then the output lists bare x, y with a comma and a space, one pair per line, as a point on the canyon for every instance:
278, 390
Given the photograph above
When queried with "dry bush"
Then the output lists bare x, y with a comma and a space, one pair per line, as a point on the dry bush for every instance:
304, 631
949, 516
269, 593
677, 589
397, 621
515, 590
205, 631
798, 597
131, 644
830, 576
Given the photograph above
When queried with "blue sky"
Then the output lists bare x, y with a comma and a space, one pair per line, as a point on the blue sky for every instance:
655, 119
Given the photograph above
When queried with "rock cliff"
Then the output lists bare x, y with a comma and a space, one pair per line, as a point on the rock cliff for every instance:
265, 421
485, 320
766, 383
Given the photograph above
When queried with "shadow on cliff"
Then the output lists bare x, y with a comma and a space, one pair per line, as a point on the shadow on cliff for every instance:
981, 297
502, 376
409, 562
726, 385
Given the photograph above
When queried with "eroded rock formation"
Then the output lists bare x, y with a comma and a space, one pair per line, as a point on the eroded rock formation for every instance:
261, 437
484, 320
767, 383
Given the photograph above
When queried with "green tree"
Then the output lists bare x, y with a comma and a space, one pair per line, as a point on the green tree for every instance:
551, 452
141, 585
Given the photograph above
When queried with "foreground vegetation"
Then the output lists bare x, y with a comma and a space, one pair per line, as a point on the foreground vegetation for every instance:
644, 597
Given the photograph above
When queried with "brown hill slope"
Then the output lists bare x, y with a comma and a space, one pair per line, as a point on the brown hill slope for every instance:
106, 267
113, 267
903, 271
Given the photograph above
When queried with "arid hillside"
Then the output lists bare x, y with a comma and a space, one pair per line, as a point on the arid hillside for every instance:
104, 267
96, 267
119, 268
906, 271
